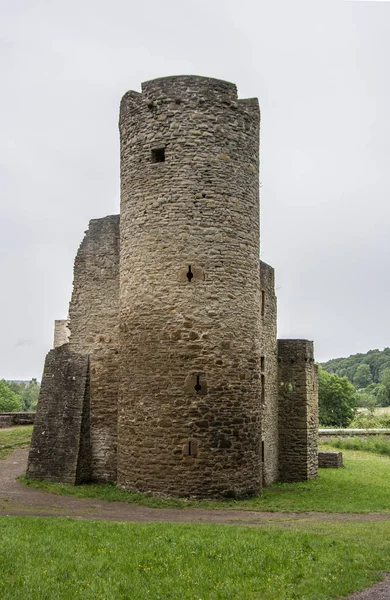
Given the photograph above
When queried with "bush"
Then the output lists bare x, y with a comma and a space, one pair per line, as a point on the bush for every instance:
370, 421
336, 400
9, 401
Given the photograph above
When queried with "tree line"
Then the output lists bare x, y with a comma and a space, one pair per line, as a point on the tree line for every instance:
18, 396
360, 380
369, 373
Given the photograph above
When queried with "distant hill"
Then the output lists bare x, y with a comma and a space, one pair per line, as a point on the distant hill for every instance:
377, 360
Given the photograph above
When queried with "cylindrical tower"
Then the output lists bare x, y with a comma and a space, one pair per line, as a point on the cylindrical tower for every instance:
189, 408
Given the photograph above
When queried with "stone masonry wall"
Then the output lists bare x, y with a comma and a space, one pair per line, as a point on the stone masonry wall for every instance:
61, 332
16, 418
298, 410
330, 460
327, 435
269, 375
62, 420
94, 322
189, 413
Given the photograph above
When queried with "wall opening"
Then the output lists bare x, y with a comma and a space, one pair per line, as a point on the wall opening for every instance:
262, 451
189, 274
262, 389
262, 303
190, 449
196, 384
158, 155
197, 387
262, 363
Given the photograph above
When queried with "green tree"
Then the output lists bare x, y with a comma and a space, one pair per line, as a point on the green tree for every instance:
336, 399
381, 394
385, 387
362, 377
16, 387
368, 401
9, 401
29, 396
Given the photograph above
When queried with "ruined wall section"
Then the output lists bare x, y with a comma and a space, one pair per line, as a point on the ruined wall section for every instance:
298, 410
61, 332
269, 375
189, 421
60, 448
93, 324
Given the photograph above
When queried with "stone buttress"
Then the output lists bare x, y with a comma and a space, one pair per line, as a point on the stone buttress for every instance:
269, 376
298, 410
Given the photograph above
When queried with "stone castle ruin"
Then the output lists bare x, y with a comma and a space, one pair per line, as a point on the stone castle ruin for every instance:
170, 378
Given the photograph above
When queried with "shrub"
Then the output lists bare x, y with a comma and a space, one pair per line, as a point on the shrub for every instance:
9, 401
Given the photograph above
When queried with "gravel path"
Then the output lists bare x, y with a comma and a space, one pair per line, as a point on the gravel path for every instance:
380, 591
19, 500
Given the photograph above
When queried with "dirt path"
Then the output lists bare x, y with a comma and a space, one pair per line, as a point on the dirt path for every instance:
379, 591
19, 500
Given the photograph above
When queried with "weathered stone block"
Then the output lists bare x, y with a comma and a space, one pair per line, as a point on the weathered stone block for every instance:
330, 460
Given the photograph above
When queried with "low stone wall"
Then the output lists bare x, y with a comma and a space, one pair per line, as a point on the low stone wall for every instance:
330, 460
325, 435
16, 418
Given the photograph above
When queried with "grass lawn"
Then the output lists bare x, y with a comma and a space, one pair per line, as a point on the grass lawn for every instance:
11, 440
42, 559
374, 444
362, 486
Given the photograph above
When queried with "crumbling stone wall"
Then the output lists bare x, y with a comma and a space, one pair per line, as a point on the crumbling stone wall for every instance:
298, 410
189, 408
269, 375
16, 418
61, 332
60, 449
93, 324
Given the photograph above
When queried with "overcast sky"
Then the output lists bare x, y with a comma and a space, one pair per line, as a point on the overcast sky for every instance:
321, 73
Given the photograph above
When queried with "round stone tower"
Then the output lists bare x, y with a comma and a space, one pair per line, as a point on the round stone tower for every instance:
189, 408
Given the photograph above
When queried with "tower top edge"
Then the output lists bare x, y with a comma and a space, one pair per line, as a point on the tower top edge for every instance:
188, 79
181, 87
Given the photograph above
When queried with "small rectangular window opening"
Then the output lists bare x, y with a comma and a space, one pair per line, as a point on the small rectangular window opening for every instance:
262, 389
262, 452
190, 448
262, 302
262, 363
158, 155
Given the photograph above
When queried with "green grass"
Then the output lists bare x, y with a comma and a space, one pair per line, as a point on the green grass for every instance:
362, 486
42, 559
13, 439
376, 445
370, 421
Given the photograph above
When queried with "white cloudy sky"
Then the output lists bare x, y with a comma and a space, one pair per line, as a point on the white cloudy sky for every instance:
321, 73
